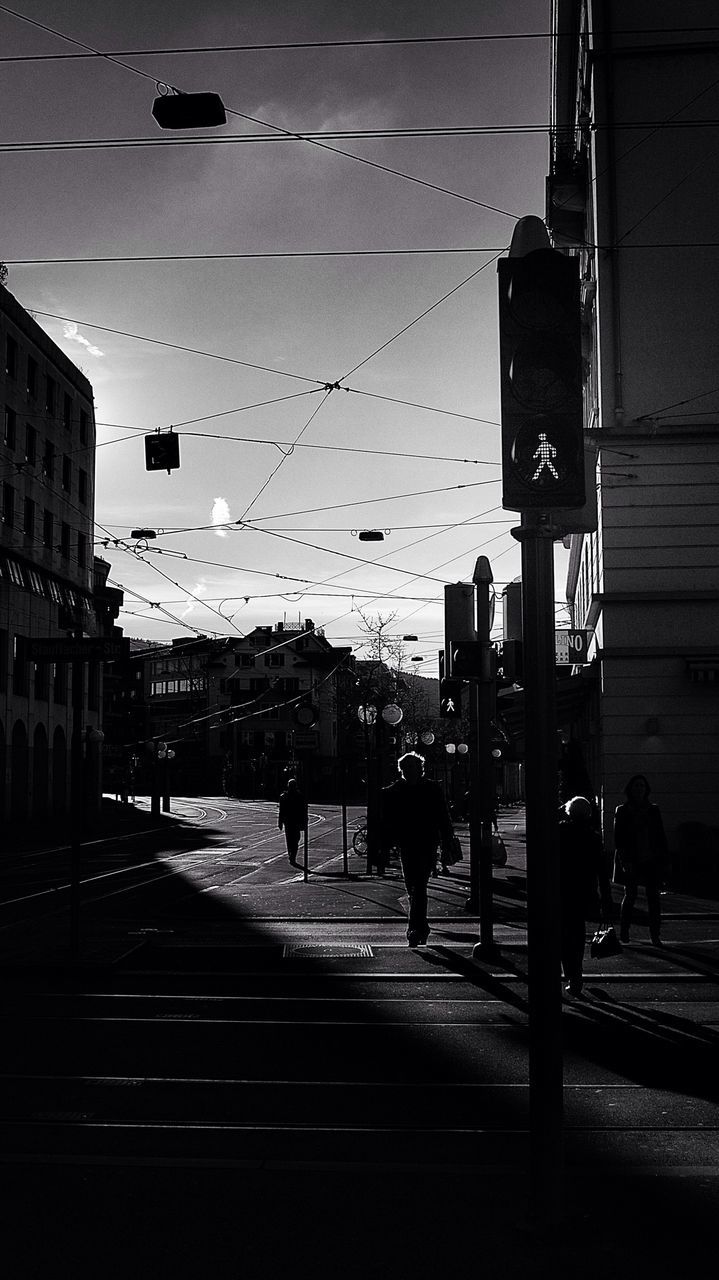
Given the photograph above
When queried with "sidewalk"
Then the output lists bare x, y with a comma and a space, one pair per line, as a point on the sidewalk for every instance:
330, 905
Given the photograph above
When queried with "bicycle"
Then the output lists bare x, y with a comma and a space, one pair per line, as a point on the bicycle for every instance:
359, 840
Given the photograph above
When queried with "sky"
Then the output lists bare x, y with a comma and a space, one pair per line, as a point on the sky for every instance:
227, 286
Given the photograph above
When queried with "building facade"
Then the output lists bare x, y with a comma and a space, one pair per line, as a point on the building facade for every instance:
632, 192
242, 713
47, 568
287, 692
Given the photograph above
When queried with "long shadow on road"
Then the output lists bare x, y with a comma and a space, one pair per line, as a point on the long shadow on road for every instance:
239, 1211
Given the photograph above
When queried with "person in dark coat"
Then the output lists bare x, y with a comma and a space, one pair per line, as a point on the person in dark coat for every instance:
415, 817
584, 885
293, 817
640, 855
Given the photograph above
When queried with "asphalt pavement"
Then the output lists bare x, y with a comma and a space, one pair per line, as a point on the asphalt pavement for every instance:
640, 1056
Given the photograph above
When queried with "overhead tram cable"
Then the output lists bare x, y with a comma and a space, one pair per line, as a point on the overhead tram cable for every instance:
289, 133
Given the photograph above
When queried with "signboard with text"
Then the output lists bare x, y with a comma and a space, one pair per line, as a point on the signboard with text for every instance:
570, 648
87, 649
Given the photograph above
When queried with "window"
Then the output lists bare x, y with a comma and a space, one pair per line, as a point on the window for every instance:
36, 583
244, 659
10, 357
93, 686
19, 665
65, 540
48, 461
67, 410
31, 377
28, 522
60, 682
66, 473
81, 550
16, 573
83, 426
54, 590
3, 661
10, 424
50, 395
47, 528
30, 445
41, 687
82, 486
8, 505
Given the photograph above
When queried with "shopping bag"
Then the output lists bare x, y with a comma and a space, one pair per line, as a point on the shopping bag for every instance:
605, 943
499, 851
452, 852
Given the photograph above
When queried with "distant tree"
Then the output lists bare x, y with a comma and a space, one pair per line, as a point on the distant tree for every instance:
3, 273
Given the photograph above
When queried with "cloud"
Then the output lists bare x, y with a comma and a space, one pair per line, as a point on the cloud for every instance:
220, 515
198, 590
73, 335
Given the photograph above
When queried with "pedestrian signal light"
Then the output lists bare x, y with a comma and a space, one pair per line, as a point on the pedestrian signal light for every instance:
450, 699
510, 664
541, 381
162, 451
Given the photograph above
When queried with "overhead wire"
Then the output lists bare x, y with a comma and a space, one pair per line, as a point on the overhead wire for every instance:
290, 133
363, 42
175, 346
421, 316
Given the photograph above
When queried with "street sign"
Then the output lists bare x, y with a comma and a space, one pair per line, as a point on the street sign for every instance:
570, 648
88, 649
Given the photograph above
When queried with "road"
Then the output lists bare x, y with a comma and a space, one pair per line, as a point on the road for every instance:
231, 1016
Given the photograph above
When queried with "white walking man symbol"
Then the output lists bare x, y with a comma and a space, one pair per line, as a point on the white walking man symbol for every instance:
545, 452
449, 705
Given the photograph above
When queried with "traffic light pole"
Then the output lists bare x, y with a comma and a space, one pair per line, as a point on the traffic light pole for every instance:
482, 704
543, 926
76, 802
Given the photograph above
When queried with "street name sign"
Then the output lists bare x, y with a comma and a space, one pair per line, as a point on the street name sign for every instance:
87, 649
570, 648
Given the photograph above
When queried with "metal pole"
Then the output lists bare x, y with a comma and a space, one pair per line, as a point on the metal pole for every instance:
475, 812
76, 802
345, 862
543, 927
487, 948
306, 867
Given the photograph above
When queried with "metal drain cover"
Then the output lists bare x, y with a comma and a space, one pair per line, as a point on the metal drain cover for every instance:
325, 950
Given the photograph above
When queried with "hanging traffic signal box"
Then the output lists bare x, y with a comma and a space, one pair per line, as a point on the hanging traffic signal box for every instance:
162, 451
541, 381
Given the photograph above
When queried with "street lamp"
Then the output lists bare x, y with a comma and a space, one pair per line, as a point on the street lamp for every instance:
175, 110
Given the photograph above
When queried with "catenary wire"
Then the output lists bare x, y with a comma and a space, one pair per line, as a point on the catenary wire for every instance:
364, 42
175, 346
290, 133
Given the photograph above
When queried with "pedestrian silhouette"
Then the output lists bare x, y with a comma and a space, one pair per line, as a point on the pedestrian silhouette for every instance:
585, 892
641, 857
416, 819
292, 816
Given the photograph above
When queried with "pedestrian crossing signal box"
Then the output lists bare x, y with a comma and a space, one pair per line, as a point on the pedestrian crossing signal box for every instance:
162, 451
450, 699
541, 381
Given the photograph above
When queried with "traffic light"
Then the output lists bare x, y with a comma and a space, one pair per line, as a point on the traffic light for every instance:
162, 451
450, 699
459, 619
473, 660
510, 664
541, 380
